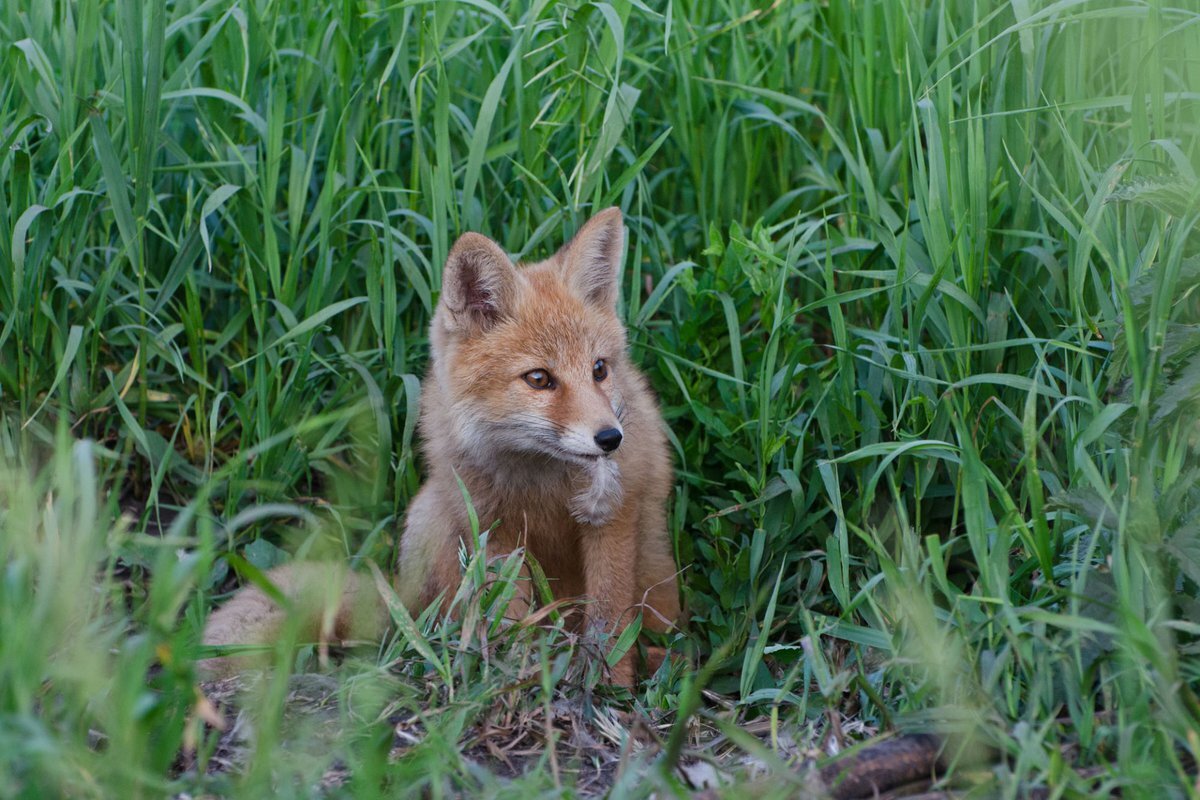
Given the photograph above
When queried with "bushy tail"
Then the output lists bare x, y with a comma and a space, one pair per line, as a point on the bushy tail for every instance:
328, 604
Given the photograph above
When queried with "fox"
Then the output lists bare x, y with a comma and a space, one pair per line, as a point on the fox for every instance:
532, 401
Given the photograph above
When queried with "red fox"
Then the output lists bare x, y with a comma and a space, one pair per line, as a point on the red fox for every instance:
532, 401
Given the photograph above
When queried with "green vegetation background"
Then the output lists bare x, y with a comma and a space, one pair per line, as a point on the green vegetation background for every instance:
916, 283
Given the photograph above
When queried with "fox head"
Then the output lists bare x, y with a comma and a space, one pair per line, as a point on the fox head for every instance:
532, 358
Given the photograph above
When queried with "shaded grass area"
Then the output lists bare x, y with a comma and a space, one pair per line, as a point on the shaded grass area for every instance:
916, 284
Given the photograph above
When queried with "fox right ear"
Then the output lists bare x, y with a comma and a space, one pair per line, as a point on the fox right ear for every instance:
477, 282
592, 259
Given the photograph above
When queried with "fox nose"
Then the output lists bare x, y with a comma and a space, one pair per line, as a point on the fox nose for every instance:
608, 439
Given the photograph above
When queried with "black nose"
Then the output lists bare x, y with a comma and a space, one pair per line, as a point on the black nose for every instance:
609, 439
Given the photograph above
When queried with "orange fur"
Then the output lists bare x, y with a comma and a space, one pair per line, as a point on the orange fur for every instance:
595, 521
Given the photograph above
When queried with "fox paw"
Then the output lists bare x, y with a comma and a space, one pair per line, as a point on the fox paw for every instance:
598, 501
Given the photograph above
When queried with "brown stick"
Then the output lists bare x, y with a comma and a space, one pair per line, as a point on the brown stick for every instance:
876, 768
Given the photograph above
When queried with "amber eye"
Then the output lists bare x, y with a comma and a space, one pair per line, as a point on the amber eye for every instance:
539, 379
599, 370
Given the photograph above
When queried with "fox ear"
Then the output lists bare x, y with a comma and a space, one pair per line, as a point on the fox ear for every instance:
592, 259
477, 282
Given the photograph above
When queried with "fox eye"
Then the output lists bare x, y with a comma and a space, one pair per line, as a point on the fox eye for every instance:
539, 379
599, 370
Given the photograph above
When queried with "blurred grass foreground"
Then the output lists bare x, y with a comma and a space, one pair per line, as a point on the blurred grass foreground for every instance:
916, 283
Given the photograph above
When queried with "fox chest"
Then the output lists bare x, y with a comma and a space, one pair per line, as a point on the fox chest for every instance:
550, 536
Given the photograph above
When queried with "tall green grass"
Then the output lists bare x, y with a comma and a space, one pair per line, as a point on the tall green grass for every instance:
916, 284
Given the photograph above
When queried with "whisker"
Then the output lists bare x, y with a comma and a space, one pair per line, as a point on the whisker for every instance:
539, 421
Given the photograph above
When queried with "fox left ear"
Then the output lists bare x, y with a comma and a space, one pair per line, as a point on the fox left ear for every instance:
592, 259
478, 283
